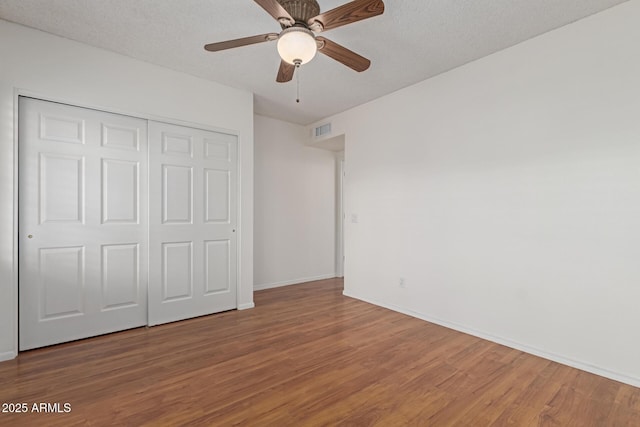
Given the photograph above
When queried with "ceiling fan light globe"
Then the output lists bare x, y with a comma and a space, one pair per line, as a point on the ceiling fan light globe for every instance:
297, 45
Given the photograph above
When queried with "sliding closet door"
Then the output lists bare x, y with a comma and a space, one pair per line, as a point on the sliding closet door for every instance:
83, 223
192, 234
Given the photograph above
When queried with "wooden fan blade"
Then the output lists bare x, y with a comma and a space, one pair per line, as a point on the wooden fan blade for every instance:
214, 47
285, 73
346, 14
276, 10
343, 55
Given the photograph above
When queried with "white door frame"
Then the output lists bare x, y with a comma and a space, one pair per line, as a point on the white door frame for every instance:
16, 131
340, 218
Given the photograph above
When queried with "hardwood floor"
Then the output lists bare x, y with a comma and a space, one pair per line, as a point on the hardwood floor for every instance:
306, 355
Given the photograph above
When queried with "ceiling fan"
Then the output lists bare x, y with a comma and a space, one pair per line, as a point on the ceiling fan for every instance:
297, 42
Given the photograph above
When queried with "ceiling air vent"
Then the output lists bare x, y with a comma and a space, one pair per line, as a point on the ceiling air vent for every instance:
323, 130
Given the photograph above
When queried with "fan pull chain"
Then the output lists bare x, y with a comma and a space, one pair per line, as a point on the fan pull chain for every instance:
298, 83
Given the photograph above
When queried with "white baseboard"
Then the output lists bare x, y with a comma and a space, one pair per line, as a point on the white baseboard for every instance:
623, 378
292, 282
246, 306
7, 356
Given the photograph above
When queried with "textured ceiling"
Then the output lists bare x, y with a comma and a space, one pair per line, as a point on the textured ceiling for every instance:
412, 41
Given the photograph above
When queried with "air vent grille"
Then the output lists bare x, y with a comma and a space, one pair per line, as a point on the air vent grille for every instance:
323, 130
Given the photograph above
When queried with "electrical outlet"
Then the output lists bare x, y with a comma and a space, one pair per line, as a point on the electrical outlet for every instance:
402, 283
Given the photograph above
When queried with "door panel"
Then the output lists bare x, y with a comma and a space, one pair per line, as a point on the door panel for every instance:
120, 275
217, 266
61, 188
62, 282
120, 192
83, 222
56, 127
177, 191
192, 222
216, 195
120, 137
177, 144
177, 271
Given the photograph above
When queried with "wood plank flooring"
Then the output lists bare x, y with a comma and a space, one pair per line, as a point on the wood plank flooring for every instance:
306, 356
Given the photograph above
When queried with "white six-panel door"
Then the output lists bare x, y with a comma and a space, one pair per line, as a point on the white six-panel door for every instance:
83, 223
192, 233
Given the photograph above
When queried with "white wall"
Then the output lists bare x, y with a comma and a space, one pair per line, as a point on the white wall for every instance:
507, 194
59, 69
295, 198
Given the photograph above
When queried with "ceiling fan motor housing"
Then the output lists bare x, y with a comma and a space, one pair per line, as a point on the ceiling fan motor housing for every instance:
301, 10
